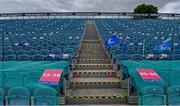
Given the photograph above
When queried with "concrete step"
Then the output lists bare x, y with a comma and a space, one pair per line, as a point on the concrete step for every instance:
93, 56
93, 73
133, 100
98, 83
92, 52
95, 61
97, 96
93, 49
95, 52
91, 46
96, 80
93, 66
91, 41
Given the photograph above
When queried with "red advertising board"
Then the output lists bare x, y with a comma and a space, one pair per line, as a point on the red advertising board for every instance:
51, 76
148, 74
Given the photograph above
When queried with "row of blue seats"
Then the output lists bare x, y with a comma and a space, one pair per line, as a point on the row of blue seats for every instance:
29, 79
166, 91
156, 95
140, 37
37, 57
37, 51
130, 30
22, 96
141, 51
18, 88
40, 36
44, 54
123, 57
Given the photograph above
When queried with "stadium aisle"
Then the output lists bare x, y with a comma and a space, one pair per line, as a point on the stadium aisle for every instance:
94, 79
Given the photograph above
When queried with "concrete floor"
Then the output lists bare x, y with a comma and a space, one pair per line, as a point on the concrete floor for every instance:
98, 92
95, 80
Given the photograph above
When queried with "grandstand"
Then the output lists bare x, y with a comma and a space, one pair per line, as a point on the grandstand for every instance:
31, 43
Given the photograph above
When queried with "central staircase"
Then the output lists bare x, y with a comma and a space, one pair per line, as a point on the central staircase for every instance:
94, 78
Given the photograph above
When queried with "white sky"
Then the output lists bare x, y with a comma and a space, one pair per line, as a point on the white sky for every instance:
165, 6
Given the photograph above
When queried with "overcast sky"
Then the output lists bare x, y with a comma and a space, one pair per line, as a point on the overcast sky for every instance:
165, 6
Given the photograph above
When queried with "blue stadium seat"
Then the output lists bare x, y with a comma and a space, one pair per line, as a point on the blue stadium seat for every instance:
122, 57
56, 51
45, 96
137, 57
23, 57
1, 57
176, 57
1, 79
13, 79
18, 48
9, 52
38, 57
18, 96
176, 51
1, 96
32, 52
152, 93
10, 57
20, 52
173, 97
31, 80
44, 51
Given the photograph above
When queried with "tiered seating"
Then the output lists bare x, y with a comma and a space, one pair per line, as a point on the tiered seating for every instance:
19, 81
133, 34
40, 39
169, 86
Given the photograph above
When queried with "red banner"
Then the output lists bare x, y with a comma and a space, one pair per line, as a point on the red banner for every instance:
51, 76
148, 74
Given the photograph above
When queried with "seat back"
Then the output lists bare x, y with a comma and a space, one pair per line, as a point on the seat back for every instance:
156, 100
13, 79
173, 95
10, 57
32, 77
18, 96
1, 80
45, 96
176, 57
37, 57
152, 93
1, 96
23, 57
